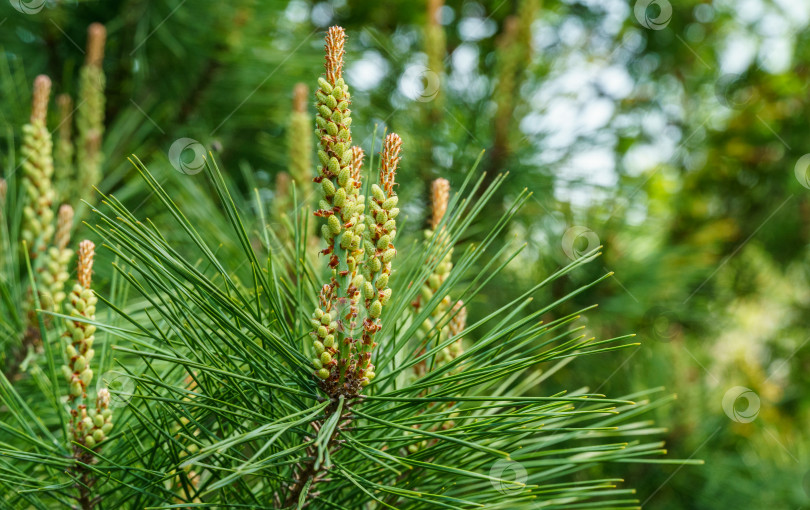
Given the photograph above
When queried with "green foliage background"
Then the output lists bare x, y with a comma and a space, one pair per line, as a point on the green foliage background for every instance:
674, 150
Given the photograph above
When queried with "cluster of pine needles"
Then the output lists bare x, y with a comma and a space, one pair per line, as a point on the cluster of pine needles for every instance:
291, 370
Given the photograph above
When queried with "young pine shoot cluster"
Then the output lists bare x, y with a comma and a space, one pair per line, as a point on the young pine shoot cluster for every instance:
259, 375
38, 209
37, 213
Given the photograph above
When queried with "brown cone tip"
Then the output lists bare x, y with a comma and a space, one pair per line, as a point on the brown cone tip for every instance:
511, 25
335, 41
439, 196
96, 37
300, 95
86, 254
283, 184
390, 160
65, 105
64, 225
433, 11
42, 94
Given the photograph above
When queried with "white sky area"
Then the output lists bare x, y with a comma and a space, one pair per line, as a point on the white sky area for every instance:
576, 103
